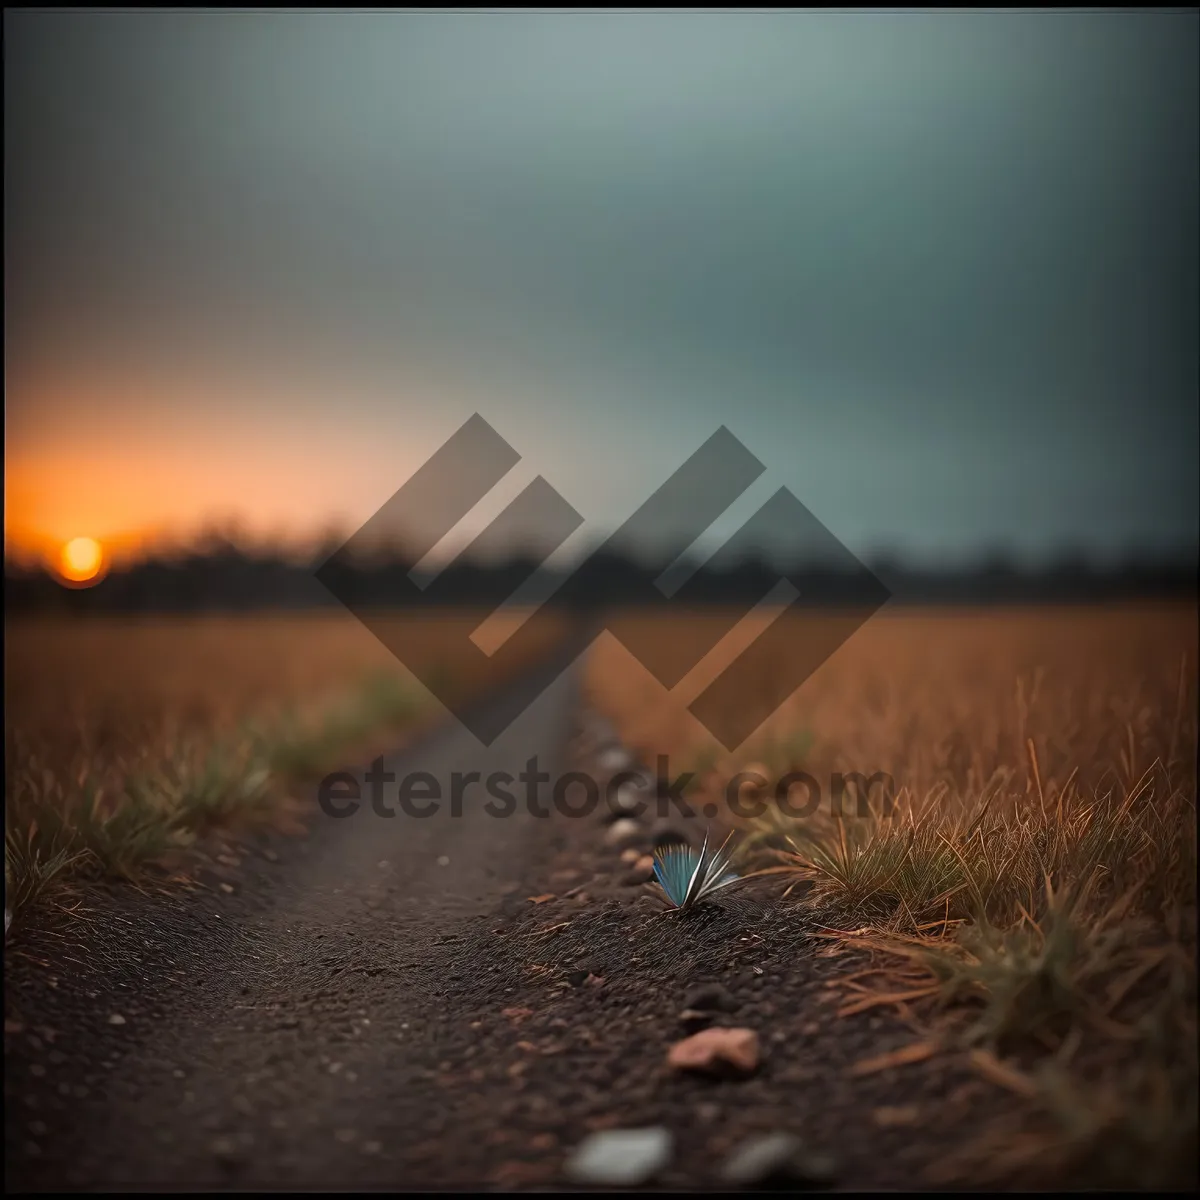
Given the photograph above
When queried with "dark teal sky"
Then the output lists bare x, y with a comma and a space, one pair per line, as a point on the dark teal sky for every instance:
939, 272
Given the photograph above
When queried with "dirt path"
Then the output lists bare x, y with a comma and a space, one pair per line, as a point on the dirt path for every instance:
381, 1004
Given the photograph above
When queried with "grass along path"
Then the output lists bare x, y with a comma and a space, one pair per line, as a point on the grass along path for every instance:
62, 829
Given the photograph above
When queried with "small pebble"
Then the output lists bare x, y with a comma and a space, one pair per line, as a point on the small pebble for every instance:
622, 831
620, 1157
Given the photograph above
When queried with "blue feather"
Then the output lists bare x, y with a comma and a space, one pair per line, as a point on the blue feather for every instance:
675, 867
686, 876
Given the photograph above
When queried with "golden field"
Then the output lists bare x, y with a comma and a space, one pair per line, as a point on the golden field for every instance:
939, 698
101, 688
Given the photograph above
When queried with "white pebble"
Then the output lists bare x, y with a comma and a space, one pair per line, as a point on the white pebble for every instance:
620, 1157
621, 831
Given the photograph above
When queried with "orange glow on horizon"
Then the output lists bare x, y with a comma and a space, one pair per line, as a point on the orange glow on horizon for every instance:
146, 458
81, 559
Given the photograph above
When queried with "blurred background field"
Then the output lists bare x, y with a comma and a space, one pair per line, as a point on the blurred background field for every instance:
938, 696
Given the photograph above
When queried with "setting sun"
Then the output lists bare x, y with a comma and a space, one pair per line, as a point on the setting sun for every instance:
81, 559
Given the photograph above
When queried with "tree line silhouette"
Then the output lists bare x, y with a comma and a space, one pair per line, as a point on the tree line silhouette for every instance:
230, 578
